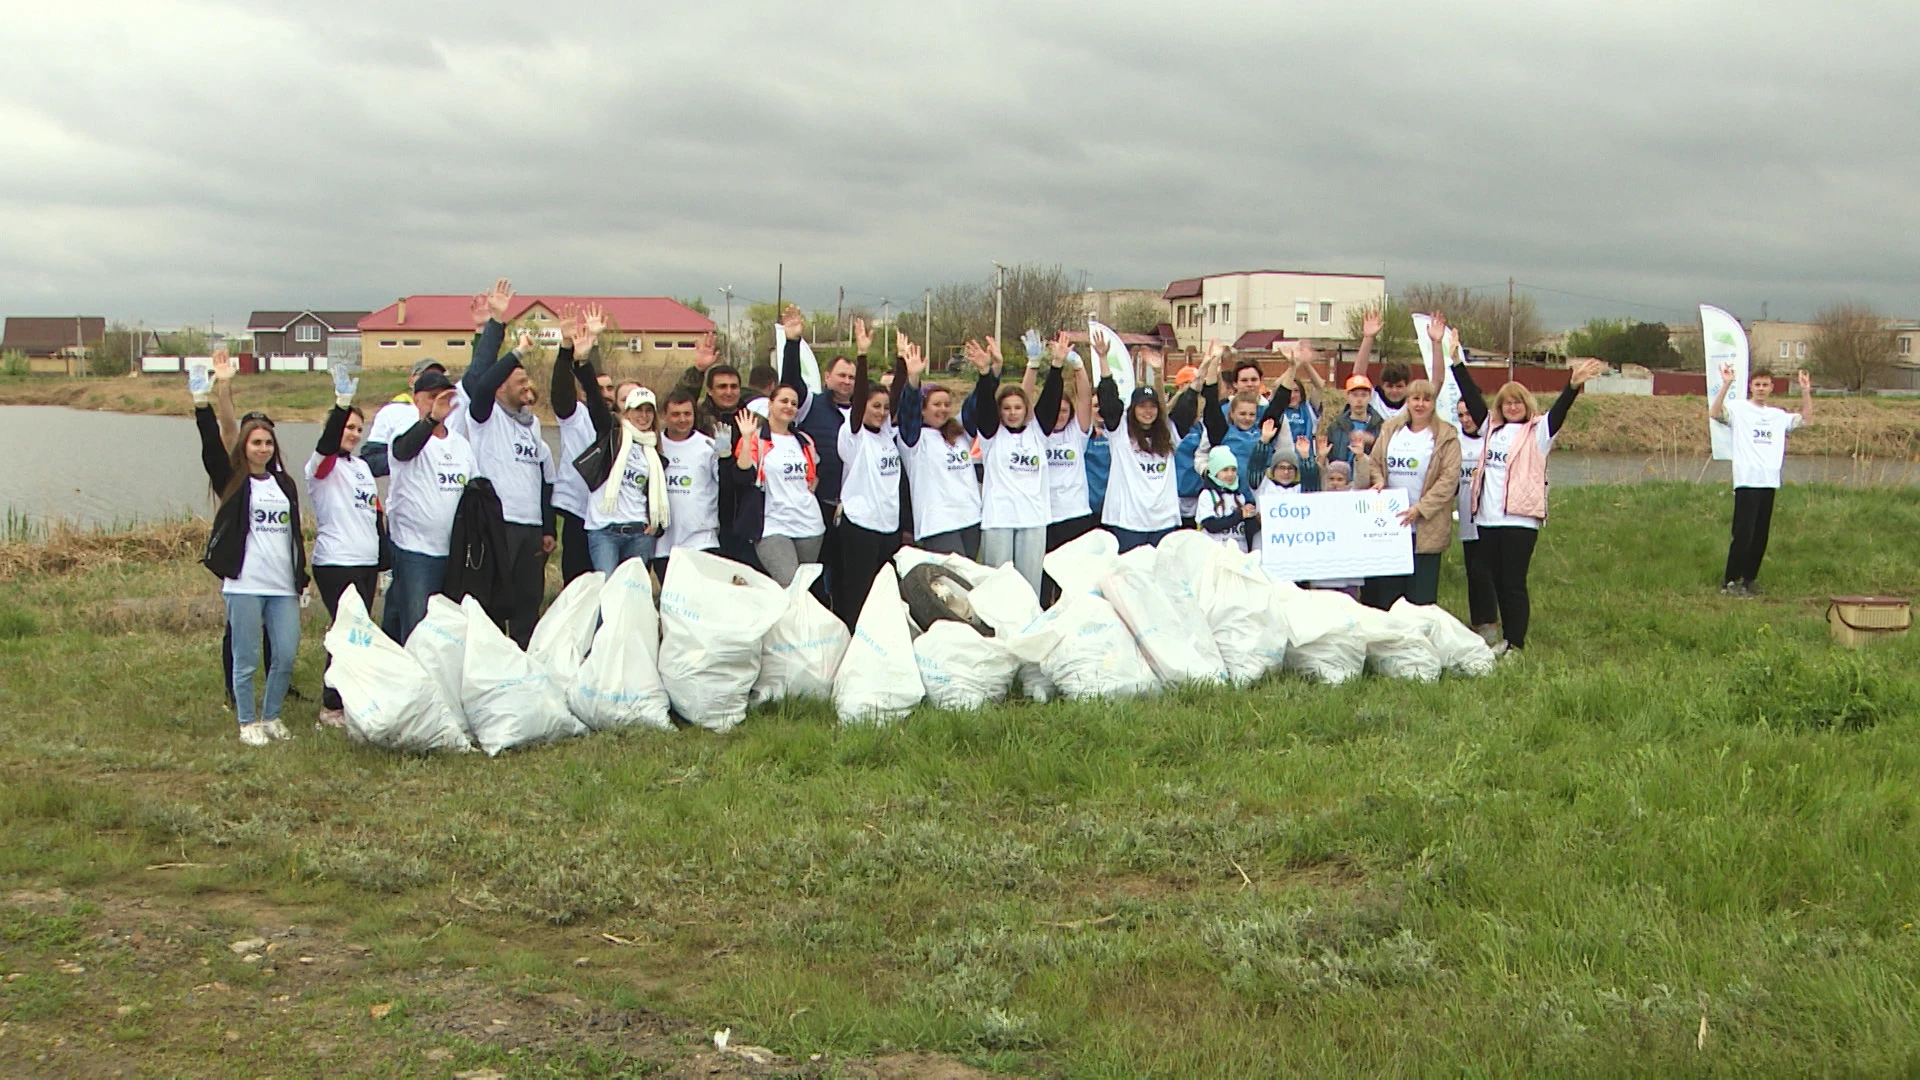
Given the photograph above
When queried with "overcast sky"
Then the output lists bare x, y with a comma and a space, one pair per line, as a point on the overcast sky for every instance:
171, 161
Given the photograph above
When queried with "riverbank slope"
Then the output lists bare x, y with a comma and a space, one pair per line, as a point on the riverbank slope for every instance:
1666, 839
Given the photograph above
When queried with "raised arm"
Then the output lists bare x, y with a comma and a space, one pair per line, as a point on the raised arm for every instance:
1582, 371
408, 444
1370, 326
985, 418
489, 310
214, 456
223, 410
329, 445
1047, 407
1110, 407
906, 389
1717, 410
1476, 401
793, 324
1806, 395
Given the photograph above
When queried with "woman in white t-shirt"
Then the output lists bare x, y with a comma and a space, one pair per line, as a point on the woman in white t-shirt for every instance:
1483, 604
1069, 428
1143, 502
257, 550
777, 510
1417, 453
940, 472
347, 525
1510, 490
869, 531
1014, 509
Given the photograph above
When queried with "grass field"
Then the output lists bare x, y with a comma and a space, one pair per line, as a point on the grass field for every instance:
1677, 837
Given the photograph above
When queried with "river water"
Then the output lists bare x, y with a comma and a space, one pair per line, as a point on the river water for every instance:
101, 468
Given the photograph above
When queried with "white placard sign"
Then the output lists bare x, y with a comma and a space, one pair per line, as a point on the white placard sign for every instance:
1725, 343
1335, 534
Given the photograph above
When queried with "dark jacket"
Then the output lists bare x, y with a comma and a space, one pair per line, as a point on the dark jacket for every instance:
821, 421
226, 550
477, 552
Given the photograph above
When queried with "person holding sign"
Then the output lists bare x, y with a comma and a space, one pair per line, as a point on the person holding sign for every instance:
1759, 449
1143, 503
1417, 453
1510, 490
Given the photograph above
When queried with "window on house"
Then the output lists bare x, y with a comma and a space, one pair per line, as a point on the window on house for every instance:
1326, 312
634, 344
1786, 349
411, 343
456, 343
1906, 346
687, 345
1300, 311
308, 332
1179, 316
1800, 350
1226, 313
388, 344
1213, 314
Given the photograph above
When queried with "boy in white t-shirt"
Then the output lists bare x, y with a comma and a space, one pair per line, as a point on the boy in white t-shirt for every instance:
1759, 439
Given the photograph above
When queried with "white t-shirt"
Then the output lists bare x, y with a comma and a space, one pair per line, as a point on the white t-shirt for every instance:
1472, 448
515, 458
1142, 495
1067, 496
346, 512
267, 569
946, 492
630, 505
1408, 457
790, 509
569, 487
1212, 503
1493, 486
393, 418
1386, 411
870, 477
1759, 442
1014, 494
424, 494
693, 494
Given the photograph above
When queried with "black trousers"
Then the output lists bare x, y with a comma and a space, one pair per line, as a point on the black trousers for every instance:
1483, 603
1420, 587
826, 587
1752, 519
527, 569
1509, 550
574, 559
333, 582
862, 553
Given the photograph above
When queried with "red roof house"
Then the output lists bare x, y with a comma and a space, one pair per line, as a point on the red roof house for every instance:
652, 328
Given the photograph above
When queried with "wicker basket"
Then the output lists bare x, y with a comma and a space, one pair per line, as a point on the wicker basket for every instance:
1857, 620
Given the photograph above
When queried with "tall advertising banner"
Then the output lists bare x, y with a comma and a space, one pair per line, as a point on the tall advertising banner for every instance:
1445, 403
1118, 361
1726, 343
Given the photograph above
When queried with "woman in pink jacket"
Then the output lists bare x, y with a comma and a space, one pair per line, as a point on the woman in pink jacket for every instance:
1510, 490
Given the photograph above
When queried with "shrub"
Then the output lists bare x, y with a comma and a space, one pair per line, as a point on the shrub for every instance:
1800, 689
14, 362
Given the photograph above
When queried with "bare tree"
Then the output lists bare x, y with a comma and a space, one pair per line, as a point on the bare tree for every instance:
1395, 340
1480, 316
1137, 316
1853, 345
1033, 300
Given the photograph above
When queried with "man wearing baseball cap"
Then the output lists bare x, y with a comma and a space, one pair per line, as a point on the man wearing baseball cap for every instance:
395, 417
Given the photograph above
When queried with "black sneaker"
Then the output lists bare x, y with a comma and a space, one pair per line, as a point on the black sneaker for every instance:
1753, 589
1735, 589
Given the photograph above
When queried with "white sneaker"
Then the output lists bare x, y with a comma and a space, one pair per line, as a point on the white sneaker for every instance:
277, 730
255, 734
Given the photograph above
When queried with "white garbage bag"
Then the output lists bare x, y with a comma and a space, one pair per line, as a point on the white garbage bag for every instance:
1096, 655
619, 684
961, 669
1078, 565
511, 699
1326, 641
714, 612
439, 642
799, 656
879, 678
1175, 638
1397, 647
390, 700
1005, 600
1462, 652
909, 557
564, 634
1240, 602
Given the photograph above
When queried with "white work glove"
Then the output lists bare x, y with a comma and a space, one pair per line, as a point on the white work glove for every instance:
199, 383
1036, 349
344, 386
1074, 361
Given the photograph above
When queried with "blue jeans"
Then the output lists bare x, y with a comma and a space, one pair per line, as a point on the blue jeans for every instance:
1129, 539
246, 617
416, 577
613, 545
1024, 548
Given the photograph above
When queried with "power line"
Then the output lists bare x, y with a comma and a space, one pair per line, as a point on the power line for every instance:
1604, 299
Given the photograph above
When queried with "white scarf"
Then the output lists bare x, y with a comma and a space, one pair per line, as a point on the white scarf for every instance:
657, 510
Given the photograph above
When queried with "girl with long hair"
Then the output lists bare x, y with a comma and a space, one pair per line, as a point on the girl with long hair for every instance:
1143, 503
940, 473
869, 531
346, 519
1014, 498
258, 551
778, 512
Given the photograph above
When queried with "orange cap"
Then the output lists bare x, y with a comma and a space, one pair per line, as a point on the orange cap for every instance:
1186, 375
1359, 382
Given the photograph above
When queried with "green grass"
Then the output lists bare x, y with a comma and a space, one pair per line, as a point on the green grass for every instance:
1674, 807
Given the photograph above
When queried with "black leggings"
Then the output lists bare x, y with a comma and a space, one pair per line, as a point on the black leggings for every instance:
862, 553
574, 559
1509, 550
333, 582
1752, 520
1420, 587
1483, 603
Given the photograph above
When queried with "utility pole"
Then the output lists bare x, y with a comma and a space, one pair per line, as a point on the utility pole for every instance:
727, 291
779, 291
929, 325
887, 322
839, 309
999, 293
1509, 329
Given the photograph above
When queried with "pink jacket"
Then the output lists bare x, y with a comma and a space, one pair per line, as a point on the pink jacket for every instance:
1526, 474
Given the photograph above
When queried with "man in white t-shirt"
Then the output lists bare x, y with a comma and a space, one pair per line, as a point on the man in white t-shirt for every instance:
1759, 440
431, 466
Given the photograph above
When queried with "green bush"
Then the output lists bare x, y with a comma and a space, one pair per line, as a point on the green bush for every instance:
1804, 688
16, 623
14, 362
